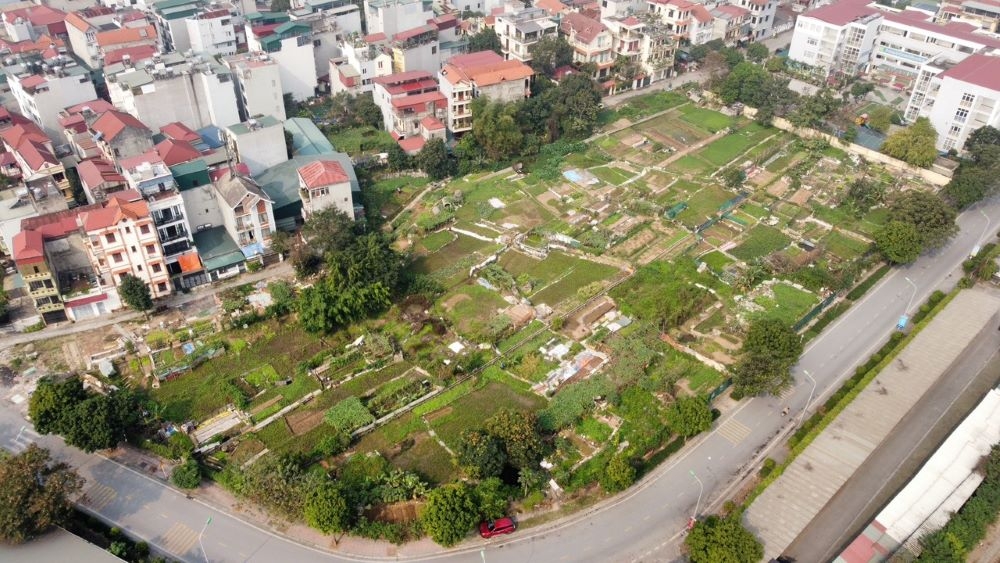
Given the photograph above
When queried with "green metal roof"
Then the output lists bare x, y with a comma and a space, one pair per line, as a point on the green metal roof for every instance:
307, 139
217, 249
272, 17
287, 29
281, 182
169, 4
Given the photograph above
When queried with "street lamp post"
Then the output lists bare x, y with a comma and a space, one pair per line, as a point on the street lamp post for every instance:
697, 505
200, 544
809, 400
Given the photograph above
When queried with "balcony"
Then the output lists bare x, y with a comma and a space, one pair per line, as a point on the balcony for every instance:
160, 219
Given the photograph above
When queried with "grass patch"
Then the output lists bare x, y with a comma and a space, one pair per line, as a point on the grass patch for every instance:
427, 458
470, 308
716, 260
361, 140
708, 119
436, 241
472, 410
610, 174
597, 431
641, 106
760, 241
789, 304
580, 277
847, 248
690, 164
724, 150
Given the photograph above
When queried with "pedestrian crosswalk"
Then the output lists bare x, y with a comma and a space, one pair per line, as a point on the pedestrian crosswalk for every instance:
97, 496
734, 431
24, 438
178, 539
786, 392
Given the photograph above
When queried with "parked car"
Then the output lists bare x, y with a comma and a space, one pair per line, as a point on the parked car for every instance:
500, 526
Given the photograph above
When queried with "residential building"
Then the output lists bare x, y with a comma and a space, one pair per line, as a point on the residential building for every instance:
257, 80
406, 99
290, 45
306, 138
215, 30
34, 159
518, 31
124, 43
984, 14
761, 17
32, 22
393, 16
591, 41
364, 59
838, 38
485, 73
415, 49
620, 8
194, 89
121, 240
18, 204
41, 96
82, 27
120, 135
325, 184
648, 42
685, 20
259, 143
247, 213
170, 17
283, 187
958, 96
732, 24
99, 178
75, 121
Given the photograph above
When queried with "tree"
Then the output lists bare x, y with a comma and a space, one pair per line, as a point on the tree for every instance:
281, 5
689, 416
481, 455
328, 231
52, 400
983, 145
433, 159
36, 494
485, 40
495, 128
87, 420
914, 145
627, 70
717, 540
699, 52
863, 194
327, 510
899, 242
550, 53
187, 475
770, 349
931, 215
397, 160
860, 89
880, 118
618, 474
135, 293
776, 64
757, 52
519, 434
493, 498
772, 337
732, 56
733, 177
449, 514
365, 111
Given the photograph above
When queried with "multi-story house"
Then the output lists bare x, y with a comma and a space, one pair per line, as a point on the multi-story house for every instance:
685, 20
257, 80
364, 59
170, 17
325, 184
647, 42
121, 240
290, 45
591, 41
32, 22
120, 135
415, 49
984, 14
619, 8
99, 178
837, 38
42, 95
519, 30
406, 99
192, 89
148, 175
761, 17
958, 96
215, 30
393, 16
82, 27
34, 158
116, 44
247, 213
485, 73
732, 24
259, 143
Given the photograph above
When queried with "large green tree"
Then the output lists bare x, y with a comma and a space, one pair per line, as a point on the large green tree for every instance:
450, 513
689, 416
549, 53
87, 420
933, 218
35, 494
757, 52
899, 242
495, 127
433, 160
187, 475
913, 145
722, 540
135, 293
519, 434
327, 510
769, 351
485, 40
481, 455
618, 474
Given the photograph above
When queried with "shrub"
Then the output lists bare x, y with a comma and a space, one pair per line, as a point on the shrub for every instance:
187, 475
348, 415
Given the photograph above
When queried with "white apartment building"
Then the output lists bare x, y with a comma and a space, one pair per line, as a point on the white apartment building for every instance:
324, 184
43, 95
81, 29
622, 8
518, 31
195, 90
958, 96
416, 49
761, 17
684, 20
364, 59
406, 99
257, 80
984, 14
466, 77
591, 41
290, 45
838, 38
393, 16
259, 143
650, 43
213, 31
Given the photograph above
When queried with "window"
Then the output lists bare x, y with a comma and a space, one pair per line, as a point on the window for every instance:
128, 229
961, 115
134, 249
110, 238
161, 287
151, 249
955, 130
434, 49
138, 268
157, 268
144, 229
118, 258
967, 99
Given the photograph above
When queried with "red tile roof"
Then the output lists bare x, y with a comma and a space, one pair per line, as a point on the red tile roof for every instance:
58, 224
419, 102
113, 122
97, 171
96, 106
86, 300
431, 123
981, 70
135, 53
76, 20
582, 28
732, 10
412, 145
701, 13
132, 162
127, 204
175, 152
37, 15
180, 132
28, 247
444, 21
553, 7
375, 37
27, 140
484, 68
842, 12
126, 35
323, 173
405, 82
956, 30
33, 81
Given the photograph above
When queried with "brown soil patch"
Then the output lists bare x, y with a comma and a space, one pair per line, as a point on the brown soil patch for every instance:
454, 300
301, 422
762, 178
633, 244
264, 405
397, 513
778, 188
438, 414
800, 197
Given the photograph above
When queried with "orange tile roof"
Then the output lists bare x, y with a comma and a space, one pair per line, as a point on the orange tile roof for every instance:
431, 123
120, 206
126, 35
135, 53
29, 248
95, 172
76, 20
174, 152
180, 132
189, 262
113, 122
484, 68
323, 173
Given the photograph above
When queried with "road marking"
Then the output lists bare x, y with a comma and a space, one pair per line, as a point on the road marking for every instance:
179, 539
734, 431
98, 496
24, 438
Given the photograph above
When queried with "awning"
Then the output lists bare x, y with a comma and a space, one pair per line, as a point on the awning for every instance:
189, 262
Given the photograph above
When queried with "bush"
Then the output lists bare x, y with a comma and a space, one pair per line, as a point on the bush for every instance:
348, 415
768, 467
187, 475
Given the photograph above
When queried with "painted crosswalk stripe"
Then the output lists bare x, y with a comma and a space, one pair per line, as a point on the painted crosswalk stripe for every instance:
98, 496
179, 539
787, 392
734, 431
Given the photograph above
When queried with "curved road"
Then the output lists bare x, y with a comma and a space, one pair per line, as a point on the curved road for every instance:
644, 524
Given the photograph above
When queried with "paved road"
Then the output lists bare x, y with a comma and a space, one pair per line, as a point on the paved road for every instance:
903, 452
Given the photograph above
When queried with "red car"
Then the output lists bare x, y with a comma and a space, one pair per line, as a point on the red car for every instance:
500, 526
